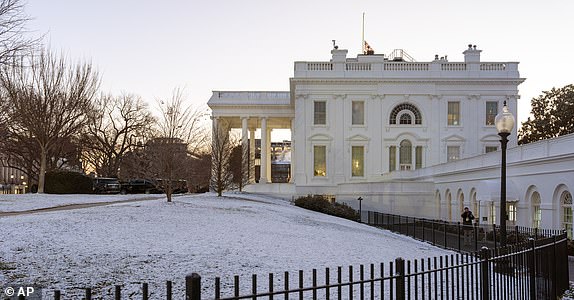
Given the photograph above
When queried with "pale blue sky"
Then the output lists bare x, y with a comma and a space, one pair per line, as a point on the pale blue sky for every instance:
150, 47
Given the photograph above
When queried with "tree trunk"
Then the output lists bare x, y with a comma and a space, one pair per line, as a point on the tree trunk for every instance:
42, 175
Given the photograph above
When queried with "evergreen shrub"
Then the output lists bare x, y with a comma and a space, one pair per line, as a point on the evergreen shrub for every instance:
320, 204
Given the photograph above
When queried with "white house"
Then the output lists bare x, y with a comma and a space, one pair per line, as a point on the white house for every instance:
408, 137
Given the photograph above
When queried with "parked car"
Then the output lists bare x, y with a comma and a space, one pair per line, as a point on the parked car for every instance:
106, 185
140, 186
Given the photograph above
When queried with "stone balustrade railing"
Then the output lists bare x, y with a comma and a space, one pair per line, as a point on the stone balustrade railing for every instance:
407, 69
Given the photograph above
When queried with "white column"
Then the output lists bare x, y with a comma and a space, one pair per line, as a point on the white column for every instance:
292, 167
269, 178
244, 146
264, 151
214, 136
252, 155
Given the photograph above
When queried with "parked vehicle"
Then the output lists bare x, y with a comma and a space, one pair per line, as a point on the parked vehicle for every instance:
106, 185
141, 186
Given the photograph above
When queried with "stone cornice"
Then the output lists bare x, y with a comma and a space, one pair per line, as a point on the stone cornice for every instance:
450, 81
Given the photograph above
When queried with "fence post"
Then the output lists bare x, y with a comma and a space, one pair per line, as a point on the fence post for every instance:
400, 284
458, 233
485, 274
475, 231
532, 268
193, 287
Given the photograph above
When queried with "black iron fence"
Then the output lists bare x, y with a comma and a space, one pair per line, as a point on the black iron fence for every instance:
451, 235
533, 266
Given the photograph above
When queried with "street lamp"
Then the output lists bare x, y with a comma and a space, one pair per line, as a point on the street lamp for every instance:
504, 123
360, 199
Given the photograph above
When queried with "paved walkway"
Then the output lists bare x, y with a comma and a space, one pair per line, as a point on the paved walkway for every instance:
74, 206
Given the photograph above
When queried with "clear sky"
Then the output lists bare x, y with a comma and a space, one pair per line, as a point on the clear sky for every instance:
150, 47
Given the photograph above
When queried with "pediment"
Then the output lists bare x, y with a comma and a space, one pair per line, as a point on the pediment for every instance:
358, 138
454, 138
320, 137
490, 138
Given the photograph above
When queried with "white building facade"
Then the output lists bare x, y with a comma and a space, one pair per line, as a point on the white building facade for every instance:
359, 125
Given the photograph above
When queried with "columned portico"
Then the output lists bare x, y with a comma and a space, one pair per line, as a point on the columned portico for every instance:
264, 151
253, 111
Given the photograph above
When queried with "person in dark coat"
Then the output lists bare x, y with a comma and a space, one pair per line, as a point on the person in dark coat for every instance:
467, 218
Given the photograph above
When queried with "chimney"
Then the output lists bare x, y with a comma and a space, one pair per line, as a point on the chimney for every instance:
339, 55
471, 55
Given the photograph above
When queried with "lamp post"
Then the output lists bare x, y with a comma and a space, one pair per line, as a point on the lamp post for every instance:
360, 199
504, 123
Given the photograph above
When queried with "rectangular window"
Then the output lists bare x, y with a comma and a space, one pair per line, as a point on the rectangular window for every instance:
392, 158
418, 157
567, 220
357, 161
492, 213
491, 112
453, 113
537, 216
320, 113
453, 153
511, 211
489, 149
320, 161
358, 113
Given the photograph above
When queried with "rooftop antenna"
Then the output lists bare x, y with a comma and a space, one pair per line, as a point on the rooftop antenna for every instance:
363, 36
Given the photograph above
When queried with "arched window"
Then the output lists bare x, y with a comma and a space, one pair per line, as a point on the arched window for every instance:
566, 201
406, 116
449, 205
406, 155
460, 201
536, 212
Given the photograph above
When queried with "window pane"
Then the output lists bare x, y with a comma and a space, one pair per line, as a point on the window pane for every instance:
320, 161
491, 112
454, 113
566, 200
320, 113
489, 149
357, 161
392, 158
406, 152
419, 157
453, 153
405, 119
358, 115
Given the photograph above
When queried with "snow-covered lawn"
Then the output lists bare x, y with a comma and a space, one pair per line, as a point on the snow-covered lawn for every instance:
154, 241
13, 202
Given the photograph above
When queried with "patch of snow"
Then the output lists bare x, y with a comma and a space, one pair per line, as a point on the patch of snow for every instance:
23, 202
154, 241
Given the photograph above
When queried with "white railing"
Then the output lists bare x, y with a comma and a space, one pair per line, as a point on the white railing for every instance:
406, 66
254, 95
319, 66
358, 67
453, 67
492, 67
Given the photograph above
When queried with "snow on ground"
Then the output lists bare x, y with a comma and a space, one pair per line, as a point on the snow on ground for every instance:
15, 202
154, 241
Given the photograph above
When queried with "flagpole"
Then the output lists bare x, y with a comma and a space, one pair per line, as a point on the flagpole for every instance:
363, 36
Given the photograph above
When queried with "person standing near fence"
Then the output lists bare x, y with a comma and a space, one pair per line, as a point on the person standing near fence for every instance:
467, 218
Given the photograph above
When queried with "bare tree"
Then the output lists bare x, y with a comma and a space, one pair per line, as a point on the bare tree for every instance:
238, 167
222, 145
115, 126
180, 135
48, 102
13, 40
